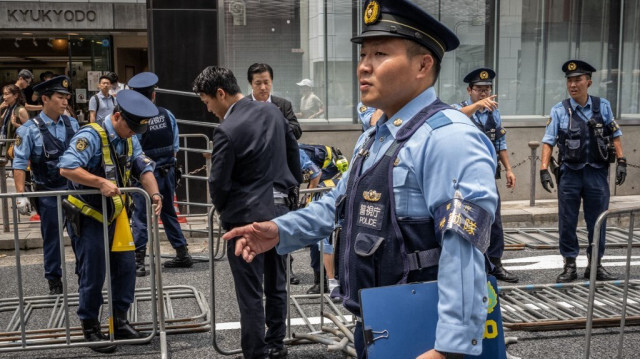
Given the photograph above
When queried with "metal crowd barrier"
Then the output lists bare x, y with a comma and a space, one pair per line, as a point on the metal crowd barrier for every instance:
548, 238
632, 211
19, 338
336, 337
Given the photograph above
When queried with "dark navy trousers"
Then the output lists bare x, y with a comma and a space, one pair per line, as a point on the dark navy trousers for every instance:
268, 268
47, 208
591, 185
91, 270
496, 242
167, 187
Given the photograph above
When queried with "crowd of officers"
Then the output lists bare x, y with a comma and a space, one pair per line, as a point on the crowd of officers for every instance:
394, 195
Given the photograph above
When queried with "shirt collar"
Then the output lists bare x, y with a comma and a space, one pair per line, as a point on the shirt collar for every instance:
231, 108
111, 132
576, 105
254, 99
408, 111
103, 96
48, 120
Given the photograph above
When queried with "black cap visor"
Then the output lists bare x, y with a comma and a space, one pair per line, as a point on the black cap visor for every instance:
135, 126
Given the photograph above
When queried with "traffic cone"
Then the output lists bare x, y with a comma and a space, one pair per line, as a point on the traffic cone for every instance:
177, 208
34, 218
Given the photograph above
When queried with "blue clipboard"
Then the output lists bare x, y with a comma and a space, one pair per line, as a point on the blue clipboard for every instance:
400, 321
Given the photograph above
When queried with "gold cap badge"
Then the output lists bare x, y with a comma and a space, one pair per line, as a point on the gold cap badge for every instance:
144, 122
371, 195
572, 66
65, 84
372, 13
484, 75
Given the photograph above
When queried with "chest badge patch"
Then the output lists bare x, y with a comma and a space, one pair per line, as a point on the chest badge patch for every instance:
82, 144
371, 195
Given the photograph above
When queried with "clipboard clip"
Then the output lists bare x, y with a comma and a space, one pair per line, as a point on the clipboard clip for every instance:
370, 335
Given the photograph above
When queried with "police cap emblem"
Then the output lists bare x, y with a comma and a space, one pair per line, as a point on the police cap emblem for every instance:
65, 84
18, 140
82, 144
144, 122
484, 75
372, 13
572, 66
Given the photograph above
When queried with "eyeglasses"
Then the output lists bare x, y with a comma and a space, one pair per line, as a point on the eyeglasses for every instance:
481, 91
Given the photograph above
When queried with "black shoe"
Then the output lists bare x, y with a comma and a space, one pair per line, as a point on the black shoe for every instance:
601, 273
569, 273
124, 330
293, 279
55, 286
278, 353
141, 271
92, 333
504, 275
182, 259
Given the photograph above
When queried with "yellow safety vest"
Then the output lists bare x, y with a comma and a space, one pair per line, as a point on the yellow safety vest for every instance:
110, 174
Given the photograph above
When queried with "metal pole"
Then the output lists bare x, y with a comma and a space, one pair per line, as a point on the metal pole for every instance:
63, 266
164, 351
3, 189
625, 294
16, 242
532, 194
107, 257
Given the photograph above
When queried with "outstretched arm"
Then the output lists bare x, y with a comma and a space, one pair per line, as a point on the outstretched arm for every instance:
254, 239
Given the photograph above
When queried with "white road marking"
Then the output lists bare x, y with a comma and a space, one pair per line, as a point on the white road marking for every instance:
557, 262
294, 322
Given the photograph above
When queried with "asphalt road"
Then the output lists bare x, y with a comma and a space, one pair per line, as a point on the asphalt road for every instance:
533, 267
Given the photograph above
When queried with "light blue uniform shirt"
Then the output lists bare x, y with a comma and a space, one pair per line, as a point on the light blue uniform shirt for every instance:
560, 120
105, 107
482, 116
32, 140
307, 165
429, 163
91, 156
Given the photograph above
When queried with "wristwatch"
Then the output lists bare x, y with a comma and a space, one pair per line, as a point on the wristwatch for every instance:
452, 355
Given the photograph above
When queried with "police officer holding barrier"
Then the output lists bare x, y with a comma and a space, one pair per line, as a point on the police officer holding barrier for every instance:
588, 141
105, 155
410, 208
42, 140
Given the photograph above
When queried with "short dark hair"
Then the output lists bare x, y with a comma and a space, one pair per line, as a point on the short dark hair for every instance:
47, 75
112, 76
259, 68
414, 49
213, 78
105, 77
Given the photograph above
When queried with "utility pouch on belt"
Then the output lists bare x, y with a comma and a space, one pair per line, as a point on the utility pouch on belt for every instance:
74, 215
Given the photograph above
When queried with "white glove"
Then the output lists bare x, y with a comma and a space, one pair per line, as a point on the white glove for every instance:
23, 205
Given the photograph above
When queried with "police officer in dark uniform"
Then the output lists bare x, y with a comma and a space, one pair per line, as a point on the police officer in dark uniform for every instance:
105, 155
482, 109
160, 143
588, 141
409, 208
42, 140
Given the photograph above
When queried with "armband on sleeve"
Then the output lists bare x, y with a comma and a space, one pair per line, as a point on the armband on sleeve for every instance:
140, 163
613, 127
466, 219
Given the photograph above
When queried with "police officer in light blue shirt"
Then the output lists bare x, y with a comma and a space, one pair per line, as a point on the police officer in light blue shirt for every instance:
405, 179
160, 143
106, 155
482, 108
588, 141
42, 140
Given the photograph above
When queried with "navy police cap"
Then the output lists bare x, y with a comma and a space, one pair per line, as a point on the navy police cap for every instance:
136, 110
143, 81
573, 68
481, 76
402, 18
57, 84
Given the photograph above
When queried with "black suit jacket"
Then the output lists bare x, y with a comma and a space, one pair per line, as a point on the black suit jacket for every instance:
254, 151
287, 110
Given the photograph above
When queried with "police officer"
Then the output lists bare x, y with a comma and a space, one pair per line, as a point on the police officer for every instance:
482, 108
588, 141
160, 143
42, 140
105, 155
409, 200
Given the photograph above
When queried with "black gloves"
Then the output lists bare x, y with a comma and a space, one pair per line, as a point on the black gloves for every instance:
621, 171
545, 179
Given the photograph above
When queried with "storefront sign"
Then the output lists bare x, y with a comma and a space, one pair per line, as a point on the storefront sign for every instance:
53, 15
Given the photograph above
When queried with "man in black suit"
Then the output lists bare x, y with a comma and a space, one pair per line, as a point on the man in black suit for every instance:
254, 167
260, 78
